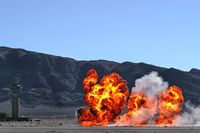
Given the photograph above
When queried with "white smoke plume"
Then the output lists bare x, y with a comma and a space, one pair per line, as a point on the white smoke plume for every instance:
191, 117
150, 84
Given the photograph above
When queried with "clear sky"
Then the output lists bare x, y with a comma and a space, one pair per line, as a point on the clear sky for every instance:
160, 32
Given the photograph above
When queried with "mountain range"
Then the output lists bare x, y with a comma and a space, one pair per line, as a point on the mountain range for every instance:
57, 81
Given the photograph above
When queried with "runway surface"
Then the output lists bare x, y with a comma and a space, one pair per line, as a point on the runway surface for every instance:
103, 130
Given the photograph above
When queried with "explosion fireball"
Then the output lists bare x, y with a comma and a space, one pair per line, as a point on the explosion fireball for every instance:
170, 102
151, 101
106, 100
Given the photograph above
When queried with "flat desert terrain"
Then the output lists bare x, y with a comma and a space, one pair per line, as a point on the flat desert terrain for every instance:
100, 130
71, 126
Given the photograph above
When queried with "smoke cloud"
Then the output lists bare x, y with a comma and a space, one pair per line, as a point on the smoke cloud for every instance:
145, 107
150, 84
190, 117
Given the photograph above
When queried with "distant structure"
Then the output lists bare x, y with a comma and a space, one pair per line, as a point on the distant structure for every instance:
15, 89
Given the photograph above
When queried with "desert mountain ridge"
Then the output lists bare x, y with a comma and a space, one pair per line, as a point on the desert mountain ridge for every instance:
57, 81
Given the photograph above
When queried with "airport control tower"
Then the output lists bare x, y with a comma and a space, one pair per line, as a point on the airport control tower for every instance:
15, 89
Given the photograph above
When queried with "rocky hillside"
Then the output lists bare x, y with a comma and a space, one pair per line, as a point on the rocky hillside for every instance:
57, 81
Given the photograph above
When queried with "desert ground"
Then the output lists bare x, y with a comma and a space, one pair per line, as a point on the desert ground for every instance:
64, 125
100, 130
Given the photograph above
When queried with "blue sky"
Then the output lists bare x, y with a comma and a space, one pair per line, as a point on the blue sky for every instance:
160, 32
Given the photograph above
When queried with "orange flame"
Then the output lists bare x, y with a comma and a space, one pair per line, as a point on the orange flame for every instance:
140, 110
106, 100
170, 102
